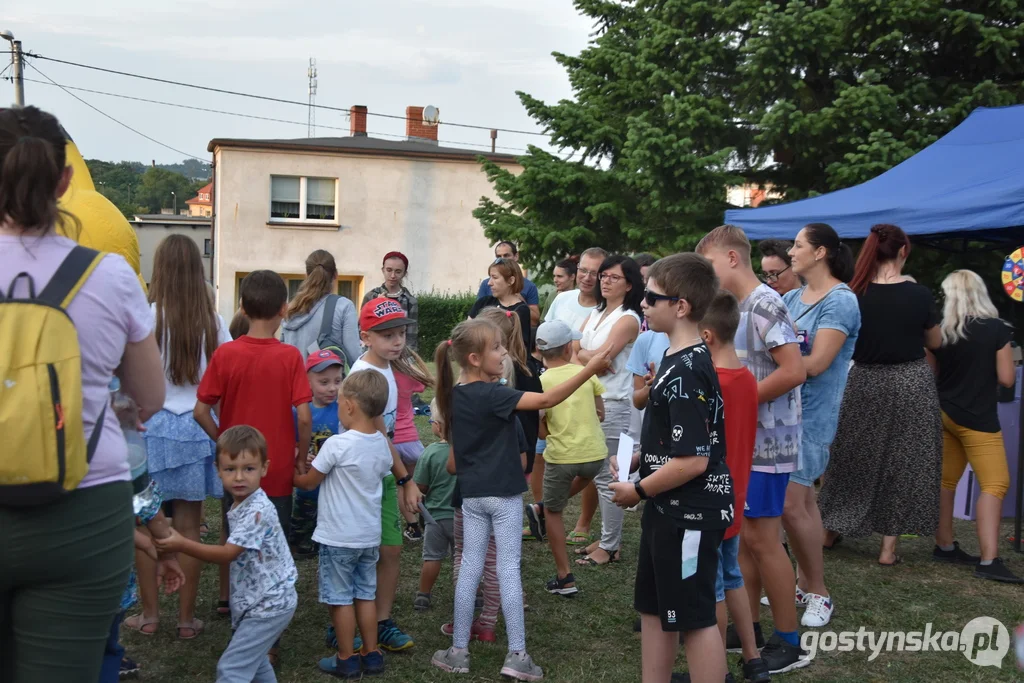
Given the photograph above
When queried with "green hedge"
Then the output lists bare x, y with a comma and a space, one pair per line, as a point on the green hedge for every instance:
438, 314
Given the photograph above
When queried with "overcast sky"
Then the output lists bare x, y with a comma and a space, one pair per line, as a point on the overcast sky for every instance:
467, 57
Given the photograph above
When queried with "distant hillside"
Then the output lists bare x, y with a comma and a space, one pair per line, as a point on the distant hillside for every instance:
192, 169
137, 188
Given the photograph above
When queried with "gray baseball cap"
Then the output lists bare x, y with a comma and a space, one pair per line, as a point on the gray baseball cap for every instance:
555, 333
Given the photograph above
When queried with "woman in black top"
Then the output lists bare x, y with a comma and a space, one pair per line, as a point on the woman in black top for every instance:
506, 281
885, 469
975, 355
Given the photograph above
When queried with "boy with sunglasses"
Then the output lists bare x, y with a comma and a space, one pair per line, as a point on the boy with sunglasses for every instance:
432, 478
684, 477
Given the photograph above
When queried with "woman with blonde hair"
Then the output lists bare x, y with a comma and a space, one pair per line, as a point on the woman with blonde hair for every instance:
975, 355
181, 455
304, 328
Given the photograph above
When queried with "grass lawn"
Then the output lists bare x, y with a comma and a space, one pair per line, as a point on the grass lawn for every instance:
589, 638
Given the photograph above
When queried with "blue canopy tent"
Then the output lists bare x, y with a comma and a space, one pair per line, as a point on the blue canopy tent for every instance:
969, 184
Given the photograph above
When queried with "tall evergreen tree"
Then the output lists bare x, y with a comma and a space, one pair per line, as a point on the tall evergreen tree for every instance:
675, 100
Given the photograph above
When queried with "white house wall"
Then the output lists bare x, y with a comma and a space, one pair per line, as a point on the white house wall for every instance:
422, 208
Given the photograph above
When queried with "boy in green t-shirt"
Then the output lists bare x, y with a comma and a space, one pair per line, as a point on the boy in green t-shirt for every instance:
576, 448
437, 485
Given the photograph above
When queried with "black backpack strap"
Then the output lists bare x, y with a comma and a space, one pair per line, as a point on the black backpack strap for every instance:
327, 324
97, 430
70, 276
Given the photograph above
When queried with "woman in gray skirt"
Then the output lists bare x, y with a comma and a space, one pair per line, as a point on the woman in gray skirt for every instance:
886, 467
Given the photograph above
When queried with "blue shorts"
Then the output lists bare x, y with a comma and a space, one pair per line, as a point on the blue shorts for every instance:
541, 445
729, 576
813, 461
347, 574
766, 494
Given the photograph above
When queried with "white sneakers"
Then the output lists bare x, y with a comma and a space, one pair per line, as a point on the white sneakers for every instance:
819, 611
801, 598
819, 608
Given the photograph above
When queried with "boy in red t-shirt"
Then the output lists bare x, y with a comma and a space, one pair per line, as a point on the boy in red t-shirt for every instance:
739, 397
257, 380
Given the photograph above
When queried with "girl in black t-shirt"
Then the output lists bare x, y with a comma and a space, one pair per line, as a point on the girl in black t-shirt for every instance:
485, 455
975, 355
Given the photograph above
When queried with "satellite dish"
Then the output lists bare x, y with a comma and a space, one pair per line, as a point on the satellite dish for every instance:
431, 115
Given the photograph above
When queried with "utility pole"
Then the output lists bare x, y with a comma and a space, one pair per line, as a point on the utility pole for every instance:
18, 77
175, 203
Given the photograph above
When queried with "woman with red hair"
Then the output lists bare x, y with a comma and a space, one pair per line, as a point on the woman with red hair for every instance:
886, 465
395, 267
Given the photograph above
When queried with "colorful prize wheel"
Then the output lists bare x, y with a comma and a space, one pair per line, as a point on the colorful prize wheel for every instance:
1013, 275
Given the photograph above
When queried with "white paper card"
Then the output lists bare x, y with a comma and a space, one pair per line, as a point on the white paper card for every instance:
624, 458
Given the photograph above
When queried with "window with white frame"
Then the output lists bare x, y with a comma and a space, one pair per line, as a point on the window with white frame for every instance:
298, 198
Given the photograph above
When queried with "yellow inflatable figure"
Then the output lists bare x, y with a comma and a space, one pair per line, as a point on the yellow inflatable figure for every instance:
101, 225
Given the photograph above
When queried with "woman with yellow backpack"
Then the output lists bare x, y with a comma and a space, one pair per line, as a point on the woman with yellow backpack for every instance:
69, 317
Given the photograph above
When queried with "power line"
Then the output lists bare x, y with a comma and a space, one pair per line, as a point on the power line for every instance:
239, 114
265, 97
120, 123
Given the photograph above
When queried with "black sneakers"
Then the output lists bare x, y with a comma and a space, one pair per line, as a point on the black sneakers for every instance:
954, 556
756, 671
996, 571
557, 586
685, 678
732, 638
781, 657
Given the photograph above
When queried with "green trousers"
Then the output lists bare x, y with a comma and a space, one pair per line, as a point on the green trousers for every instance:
63, 568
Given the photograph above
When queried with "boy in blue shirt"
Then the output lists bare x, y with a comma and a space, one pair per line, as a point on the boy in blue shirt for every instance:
325, 370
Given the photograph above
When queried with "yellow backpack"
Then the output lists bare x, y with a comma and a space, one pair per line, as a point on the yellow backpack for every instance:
44, 453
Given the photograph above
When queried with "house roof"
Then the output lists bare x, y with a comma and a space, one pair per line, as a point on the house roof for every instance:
364, 145
205, 189
169, 219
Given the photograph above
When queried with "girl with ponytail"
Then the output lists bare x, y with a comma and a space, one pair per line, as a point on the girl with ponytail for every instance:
827, 317
306, 311
480, 426
885, 467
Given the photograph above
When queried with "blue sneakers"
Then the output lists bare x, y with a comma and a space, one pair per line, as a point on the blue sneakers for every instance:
342, 668
373, 663
389, 637
392, 638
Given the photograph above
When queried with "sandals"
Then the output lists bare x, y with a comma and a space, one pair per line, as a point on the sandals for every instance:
147, 627
223, 608
577, 538
835, 541
895, 562
588, 561
188, 631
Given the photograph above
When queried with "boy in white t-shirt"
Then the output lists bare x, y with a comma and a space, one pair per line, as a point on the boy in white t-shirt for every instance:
351, 466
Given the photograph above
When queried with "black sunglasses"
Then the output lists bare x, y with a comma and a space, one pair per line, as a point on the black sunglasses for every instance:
652, 299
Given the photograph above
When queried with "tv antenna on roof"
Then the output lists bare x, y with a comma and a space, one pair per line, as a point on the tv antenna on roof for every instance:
431, 115
311, 117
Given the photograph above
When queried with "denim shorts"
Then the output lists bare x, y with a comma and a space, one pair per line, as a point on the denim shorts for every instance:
729, 576
347, 574
813, 461
541, 445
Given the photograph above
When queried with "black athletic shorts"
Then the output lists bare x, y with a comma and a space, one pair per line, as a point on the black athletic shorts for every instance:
676, 572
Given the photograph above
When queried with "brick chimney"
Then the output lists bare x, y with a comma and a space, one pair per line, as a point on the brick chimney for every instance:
415, 129
357, 115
